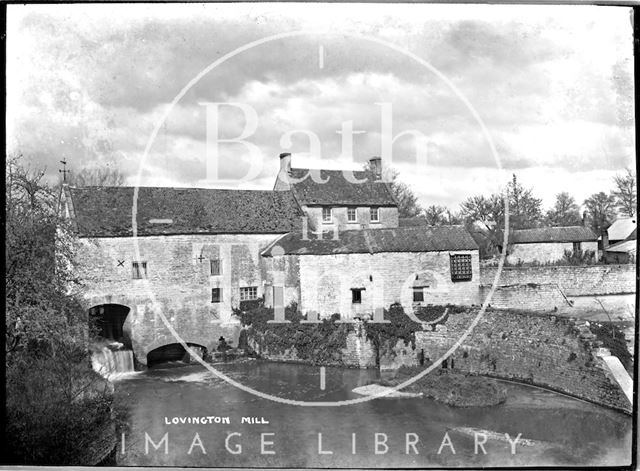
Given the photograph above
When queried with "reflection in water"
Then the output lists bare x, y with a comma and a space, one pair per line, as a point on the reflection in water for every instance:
558, 430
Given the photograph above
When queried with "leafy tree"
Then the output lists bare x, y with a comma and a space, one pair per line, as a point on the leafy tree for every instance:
525, 210
600, 211
625, 194
56, 405
408, 205
565, 211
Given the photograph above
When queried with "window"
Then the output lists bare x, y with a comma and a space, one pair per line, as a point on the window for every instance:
375, 214
460, 267
418, 294
249, 293
352, 215
356, 295
577, 247
215, 266
139, 270
216, 295
326, 214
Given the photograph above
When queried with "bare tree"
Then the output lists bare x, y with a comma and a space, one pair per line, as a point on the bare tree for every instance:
97, 176
565, 212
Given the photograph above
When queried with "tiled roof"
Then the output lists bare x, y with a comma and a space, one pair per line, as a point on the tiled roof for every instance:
106, 211
334, 189
553, 234
412, 222
404, 239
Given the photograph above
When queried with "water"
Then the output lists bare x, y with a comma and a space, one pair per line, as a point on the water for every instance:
112, 364
557, 430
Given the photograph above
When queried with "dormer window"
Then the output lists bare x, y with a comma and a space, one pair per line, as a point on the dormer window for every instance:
326, 215
374, 214
352, 215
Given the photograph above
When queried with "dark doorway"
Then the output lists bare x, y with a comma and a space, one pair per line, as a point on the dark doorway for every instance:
172, 352
109, 321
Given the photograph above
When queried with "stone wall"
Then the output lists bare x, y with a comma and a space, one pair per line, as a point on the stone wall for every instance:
532, 297
543, 350
388, 217
178, 284
572, 280
545, 252
326, 281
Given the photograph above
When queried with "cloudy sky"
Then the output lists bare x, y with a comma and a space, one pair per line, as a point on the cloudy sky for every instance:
552, 85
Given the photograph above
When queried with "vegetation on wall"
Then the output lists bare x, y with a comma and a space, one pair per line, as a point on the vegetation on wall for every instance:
401, 327
613, 338
319, 344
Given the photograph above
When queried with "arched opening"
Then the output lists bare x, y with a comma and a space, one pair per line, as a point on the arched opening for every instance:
109, 321
173, 352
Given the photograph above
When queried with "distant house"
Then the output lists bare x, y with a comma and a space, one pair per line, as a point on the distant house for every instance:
365, 270
619, 231
548, 244
624, 251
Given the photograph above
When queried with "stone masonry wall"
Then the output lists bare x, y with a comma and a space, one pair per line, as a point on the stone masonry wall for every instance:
545, 252
529, 297
388, 217
326, 281
544, 350
178, 284
572, 280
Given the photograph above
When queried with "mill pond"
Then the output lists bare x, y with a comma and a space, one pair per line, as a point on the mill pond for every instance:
553, 429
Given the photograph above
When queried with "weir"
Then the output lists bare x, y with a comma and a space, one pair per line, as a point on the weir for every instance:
111, 364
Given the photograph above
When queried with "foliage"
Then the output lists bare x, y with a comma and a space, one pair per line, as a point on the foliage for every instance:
600, 211
47, 360
320, 343
579, 257
408, 205
401, 326
525, 210
565, 211
435, 215
612, 337
625, 194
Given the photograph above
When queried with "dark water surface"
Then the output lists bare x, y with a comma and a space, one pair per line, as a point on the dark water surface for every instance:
559, 430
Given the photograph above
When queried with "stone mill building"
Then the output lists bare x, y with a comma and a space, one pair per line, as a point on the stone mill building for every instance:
161, 262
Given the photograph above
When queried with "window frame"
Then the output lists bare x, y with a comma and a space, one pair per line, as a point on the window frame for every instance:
219, 265
136, 266
355, 214
324, 219
357, 299
377, 213
215, 300
577, 247
456, 263
243, 291
418, 290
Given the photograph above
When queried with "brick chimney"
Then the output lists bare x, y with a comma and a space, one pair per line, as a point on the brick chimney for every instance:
375, 165
282, 181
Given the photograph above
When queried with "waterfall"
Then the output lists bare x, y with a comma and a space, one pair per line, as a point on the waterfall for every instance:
112, 364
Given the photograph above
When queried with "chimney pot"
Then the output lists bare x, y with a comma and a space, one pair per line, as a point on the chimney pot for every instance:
375, 165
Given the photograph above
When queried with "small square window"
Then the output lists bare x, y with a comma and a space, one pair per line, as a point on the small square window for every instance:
216, 295
139, 270
215, 266
461, 267
249, 293
326, 215
418, 294
374, 214
352, 215
577, 247
356, 295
